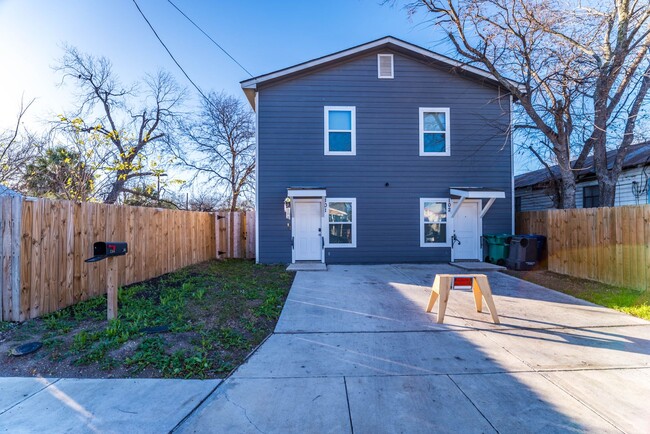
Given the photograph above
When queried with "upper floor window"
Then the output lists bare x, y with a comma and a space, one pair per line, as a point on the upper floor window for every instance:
340, 131
385, 68
434, 131
591, 197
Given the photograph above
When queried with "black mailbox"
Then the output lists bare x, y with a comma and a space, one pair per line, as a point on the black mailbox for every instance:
106, 249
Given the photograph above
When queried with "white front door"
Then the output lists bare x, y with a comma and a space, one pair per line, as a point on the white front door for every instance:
307, 242
466, 244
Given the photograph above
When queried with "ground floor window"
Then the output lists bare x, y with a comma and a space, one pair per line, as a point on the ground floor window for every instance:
433, 222
341, 222
590, 197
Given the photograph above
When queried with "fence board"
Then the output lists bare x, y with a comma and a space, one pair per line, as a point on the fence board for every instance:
35, 271
646, 243
78, 257
250, 234
610, 245
44, 244
69, 253
5, 255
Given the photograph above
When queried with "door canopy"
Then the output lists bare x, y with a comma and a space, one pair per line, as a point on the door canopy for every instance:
475, 193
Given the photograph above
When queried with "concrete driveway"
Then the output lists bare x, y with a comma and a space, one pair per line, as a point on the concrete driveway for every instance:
354, 351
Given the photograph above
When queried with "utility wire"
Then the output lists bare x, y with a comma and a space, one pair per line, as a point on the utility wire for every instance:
169, 52
208, 36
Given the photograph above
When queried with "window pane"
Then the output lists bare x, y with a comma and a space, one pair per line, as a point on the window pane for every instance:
435, 233
340, 142
434, 122
340, 233
434, 142
340, 211
435, 212
340, 120
591, 197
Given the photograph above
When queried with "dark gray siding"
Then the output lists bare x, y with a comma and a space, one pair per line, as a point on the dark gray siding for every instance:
290, 116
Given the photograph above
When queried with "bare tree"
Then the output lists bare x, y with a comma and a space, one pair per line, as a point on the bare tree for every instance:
205, 201
219, 147
17, 147
583, 72
130, 121
618, 50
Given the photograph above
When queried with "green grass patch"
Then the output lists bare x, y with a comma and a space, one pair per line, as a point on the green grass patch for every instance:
214, 313
630, 301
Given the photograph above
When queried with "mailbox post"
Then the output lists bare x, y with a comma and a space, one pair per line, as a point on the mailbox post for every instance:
109, 250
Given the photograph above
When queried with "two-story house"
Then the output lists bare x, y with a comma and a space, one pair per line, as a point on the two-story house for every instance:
385, 152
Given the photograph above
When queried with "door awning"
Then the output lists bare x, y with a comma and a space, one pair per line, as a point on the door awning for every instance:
475, 193
306, 192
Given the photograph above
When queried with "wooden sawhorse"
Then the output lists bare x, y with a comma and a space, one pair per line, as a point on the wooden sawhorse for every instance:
443, 284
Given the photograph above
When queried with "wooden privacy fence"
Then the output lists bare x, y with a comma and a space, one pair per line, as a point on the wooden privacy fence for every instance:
610, 245
43, 245
236, 234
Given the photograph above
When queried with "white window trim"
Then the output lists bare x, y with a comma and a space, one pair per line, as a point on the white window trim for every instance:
326, 223
448, 222
447, 151
392, 66
353, 149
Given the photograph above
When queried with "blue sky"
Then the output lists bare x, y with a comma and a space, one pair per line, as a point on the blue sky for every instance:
262, 35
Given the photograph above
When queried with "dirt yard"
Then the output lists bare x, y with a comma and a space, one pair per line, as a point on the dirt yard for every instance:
199, 322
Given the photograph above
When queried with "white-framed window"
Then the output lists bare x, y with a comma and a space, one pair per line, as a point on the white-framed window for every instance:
434, 224
385, 66
340, 130
341, 222
434, 132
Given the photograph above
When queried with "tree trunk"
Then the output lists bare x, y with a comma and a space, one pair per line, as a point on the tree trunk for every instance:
233, 201
568, 190
607, 187
116, 189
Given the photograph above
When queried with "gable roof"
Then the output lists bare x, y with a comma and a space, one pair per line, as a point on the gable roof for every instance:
250, 85
637, 155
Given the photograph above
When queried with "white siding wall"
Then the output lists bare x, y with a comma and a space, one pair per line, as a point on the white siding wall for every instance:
532, 200
624, 194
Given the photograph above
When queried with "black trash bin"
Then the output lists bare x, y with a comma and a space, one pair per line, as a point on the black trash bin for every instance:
523, 253
541, 246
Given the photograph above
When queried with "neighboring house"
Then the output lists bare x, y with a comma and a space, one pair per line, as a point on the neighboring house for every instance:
6, 191
533, 189
384, 152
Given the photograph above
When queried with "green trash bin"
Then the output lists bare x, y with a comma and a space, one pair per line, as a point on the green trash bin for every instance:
498, 248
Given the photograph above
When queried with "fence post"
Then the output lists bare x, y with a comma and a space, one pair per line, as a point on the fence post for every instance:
3, 284
111, 288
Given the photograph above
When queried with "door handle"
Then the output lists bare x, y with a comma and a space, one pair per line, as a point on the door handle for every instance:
454, 240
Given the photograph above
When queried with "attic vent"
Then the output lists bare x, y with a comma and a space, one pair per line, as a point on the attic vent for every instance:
385, 66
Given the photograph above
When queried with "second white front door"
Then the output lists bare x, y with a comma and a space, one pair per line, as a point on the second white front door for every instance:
466, 243
307, 240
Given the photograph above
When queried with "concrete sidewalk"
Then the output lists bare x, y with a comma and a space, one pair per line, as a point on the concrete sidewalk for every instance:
52, 405
355, 351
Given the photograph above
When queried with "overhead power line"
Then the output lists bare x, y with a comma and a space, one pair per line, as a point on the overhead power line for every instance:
210, 38
169, 52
